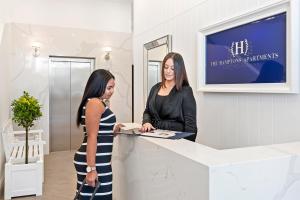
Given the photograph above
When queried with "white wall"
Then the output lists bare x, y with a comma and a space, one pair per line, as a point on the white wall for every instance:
1, 120
4, 95
91, 14
67, 28
32, 73
225, 120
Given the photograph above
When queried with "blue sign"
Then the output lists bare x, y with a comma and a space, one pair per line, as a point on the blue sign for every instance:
250, 53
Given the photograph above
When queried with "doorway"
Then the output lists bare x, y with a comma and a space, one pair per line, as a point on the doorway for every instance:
68, 77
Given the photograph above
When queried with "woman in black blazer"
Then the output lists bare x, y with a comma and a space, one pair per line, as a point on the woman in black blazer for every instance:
171, 104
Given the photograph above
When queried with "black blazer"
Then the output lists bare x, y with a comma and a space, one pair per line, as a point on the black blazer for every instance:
179, 111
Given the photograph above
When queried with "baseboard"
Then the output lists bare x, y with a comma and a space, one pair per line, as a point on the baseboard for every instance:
1, 187
2, 171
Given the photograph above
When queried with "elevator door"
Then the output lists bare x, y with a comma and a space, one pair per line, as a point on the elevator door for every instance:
68, 77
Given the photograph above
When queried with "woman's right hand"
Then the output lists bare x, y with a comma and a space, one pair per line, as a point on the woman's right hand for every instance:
147, 127
91, 178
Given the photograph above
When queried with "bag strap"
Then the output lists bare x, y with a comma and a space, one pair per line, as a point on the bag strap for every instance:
98, 184
95, 190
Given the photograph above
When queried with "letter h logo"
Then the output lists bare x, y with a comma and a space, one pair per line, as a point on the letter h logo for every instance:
239, 48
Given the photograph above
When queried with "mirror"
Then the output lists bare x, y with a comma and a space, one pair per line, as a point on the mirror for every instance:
154, 53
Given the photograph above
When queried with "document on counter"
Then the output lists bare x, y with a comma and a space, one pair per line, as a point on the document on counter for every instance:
133, 129
158, 133
130, 128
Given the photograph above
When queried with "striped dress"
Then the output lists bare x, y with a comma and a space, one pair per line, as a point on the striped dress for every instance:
103, 157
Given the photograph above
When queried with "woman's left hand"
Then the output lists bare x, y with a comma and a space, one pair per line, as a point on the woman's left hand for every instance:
117, 128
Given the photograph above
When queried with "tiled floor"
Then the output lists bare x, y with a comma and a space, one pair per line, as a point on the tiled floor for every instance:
60, 177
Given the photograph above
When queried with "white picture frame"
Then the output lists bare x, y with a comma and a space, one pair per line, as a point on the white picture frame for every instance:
292, 9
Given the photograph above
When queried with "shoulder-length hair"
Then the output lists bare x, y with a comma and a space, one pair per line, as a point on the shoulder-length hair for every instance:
181, 78
95, 88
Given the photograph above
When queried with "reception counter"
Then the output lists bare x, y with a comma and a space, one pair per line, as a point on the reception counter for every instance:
159, 169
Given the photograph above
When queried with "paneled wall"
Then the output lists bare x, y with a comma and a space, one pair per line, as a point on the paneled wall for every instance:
225, 120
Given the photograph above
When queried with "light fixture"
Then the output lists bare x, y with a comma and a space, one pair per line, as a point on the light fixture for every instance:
107, 50
36, 49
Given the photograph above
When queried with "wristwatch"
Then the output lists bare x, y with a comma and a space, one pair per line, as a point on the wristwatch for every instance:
89, 169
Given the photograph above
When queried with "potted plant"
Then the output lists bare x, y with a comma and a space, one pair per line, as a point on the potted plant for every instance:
26, 109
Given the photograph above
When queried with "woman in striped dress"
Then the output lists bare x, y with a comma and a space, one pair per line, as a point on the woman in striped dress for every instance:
93, 159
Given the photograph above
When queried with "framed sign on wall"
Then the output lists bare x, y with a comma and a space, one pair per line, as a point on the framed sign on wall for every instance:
257, 51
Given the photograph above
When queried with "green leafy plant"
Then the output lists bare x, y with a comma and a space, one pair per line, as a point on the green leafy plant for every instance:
26, 109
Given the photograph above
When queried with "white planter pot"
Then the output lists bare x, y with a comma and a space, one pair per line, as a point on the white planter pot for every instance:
23, 179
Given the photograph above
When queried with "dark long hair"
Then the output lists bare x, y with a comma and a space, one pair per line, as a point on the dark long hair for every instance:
181, 78
95, 88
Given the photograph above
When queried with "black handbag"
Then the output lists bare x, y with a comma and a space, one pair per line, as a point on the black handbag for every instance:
77, 197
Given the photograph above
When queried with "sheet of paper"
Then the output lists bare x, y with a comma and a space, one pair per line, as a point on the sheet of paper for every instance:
159, 133
133, 129
130, 126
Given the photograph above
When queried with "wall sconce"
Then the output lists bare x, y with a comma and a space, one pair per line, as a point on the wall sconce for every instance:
36, 49
107, 50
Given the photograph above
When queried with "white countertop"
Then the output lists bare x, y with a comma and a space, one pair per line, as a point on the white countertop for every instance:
163, 169
213, 157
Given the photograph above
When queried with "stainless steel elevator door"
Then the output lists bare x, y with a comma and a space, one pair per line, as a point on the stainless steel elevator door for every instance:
80, 73
68, 77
